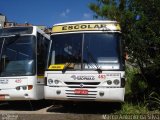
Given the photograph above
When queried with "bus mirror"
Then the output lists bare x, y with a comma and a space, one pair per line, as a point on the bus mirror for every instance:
126, 56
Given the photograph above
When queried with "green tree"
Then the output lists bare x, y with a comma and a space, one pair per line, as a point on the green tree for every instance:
140, 23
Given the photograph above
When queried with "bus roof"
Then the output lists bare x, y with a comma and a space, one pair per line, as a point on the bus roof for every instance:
22, 30
92, 25
87, 21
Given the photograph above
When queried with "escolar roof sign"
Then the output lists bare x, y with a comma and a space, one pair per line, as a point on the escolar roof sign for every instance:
86, 27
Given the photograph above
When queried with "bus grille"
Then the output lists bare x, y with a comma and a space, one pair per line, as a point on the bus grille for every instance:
84, 85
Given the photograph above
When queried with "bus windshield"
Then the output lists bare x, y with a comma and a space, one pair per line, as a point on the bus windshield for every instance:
87, 50
17, 55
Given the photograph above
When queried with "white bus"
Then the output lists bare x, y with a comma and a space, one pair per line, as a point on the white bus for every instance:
23, 58
86, 62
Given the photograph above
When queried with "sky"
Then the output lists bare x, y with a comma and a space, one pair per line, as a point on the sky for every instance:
46, 12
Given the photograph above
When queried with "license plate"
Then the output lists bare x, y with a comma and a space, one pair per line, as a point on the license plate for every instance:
2, 97
80, 92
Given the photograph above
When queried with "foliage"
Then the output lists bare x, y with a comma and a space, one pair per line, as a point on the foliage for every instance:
129, 108
140, 22
130, 73
136, 86
153, 101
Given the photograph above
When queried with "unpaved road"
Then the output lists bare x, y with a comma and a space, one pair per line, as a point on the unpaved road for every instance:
43, 111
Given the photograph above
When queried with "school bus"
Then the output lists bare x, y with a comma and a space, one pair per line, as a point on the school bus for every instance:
86, 62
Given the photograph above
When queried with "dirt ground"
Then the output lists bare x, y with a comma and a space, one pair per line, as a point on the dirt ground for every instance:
51, 111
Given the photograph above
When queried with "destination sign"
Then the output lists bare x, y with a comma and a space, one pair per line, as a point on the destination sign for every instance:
56, 67
86, 27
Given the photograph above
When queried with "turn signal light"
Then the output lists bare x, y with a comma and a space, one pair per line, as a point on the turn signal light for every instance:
30, 87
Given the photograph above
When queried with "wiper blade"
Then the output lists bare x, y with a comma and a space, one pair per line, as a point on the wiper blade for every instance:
67, 66
94, 61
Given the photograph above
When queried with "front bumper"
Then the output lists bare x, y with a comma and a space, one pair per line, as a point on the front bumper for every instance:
94, 94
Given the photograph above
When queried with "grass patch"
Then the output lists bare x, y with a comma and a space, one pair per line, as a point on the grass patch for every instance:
136, 101
129, 108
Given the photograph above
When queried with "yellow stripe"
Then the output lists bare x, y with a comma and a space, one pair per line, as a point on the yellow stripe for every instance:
40, 76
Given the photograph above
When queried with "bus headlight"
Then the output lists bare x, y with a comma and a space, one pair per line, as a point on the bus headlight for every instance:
24, 87
109, 82
50, 81
56, 82
18, 88
116, 81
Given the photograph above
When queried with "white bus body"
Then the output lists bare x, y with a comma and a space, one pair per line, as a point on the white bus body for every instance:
86, 62
23, 59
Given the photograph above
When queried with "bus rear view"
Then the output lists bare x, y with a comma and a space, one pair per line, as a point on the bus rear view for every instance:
86, 62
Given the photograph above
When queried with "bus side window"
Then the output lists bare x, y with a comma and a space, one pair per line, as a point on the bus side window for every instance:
42, 52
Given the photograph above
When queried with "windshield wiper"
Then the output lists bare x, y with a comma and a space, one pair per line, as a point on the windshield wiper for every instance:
66, 67
94, 61
70, 65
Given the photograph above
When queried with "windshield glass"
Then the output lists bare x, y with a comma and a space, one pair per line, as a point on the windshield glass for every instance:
89, 50
17, 55
67, 48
